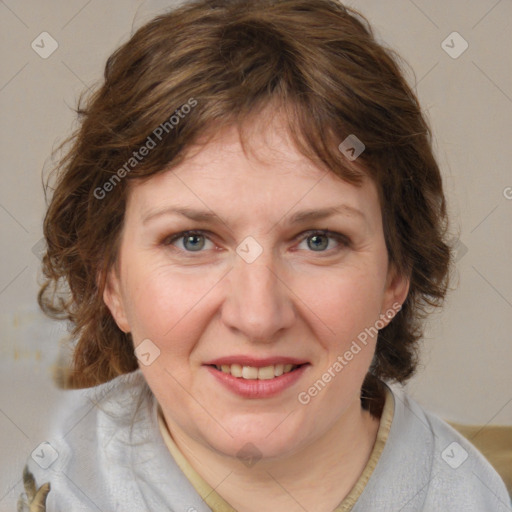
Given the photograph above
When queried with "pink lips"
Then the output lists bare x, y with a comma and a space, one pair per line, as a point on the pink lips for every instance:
255, 388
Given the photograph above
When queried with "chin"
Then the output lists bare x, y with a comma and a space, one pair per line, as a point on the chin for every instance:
256, 441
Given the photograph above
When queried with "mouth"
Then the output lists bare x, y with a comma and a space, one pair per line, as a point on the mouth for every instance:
257, 378
249, 372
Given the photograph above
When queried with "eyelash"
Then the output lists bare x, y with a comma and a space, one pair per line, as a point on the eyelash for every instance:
341, 239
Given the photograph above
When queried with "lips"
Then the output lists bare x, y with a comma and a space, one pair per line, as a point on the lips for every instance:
257, 382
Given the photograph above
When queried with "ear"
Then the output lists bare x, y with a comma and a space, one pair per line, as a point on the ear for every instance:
395, 293
113, 299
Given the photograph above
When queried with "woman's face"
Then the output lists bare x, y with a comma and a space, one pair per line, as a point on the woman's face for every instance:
253, 286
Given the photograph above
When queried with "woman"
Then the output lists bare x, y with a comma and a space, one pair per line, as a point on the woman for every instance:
234, 362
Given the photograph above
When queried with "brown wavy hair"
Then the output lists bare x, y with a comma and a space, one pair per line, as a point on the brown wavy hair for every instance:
321, 63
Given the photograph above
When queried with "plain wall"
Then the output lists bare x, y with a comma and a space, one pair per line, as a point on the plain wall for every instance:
465, 373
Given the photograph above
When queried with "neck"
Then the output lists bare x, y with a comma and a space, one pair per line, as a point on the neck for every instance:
317, 477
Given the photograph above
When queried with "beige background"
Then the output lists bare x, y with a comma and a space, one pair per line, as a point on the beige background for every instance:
465, 375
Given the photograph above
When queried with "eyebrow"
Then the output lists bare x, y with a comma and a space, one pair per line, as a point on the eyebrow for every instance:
296, 218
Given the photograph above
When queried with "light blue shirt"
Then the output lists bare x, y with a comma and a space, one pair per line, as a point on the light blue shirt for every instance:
105, 452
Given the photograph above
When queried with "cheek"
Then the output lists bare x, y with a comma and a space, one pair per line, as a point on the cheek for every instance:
344, 303
163, 305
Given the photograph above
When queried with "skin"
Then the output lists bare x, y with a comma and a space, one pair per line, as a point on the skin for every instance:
294, 300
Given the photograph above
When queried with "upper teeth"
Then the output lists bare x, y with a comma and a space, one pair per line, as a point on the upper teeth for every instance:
253, 373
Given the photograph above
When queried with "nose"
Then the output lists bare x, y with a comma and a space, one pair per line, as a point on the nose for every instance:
259, 302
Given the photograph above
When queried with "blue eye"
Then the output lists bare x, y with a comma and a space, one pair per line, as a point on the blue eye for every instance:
195, 241
320, 239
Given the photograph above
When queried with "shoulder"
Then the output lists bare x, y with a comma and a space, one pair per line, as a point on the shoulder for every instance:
81, 457
461, 477
427, 465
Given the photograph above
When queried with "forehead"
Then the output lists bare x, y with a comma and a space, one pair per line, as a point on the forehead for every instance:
266, 174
